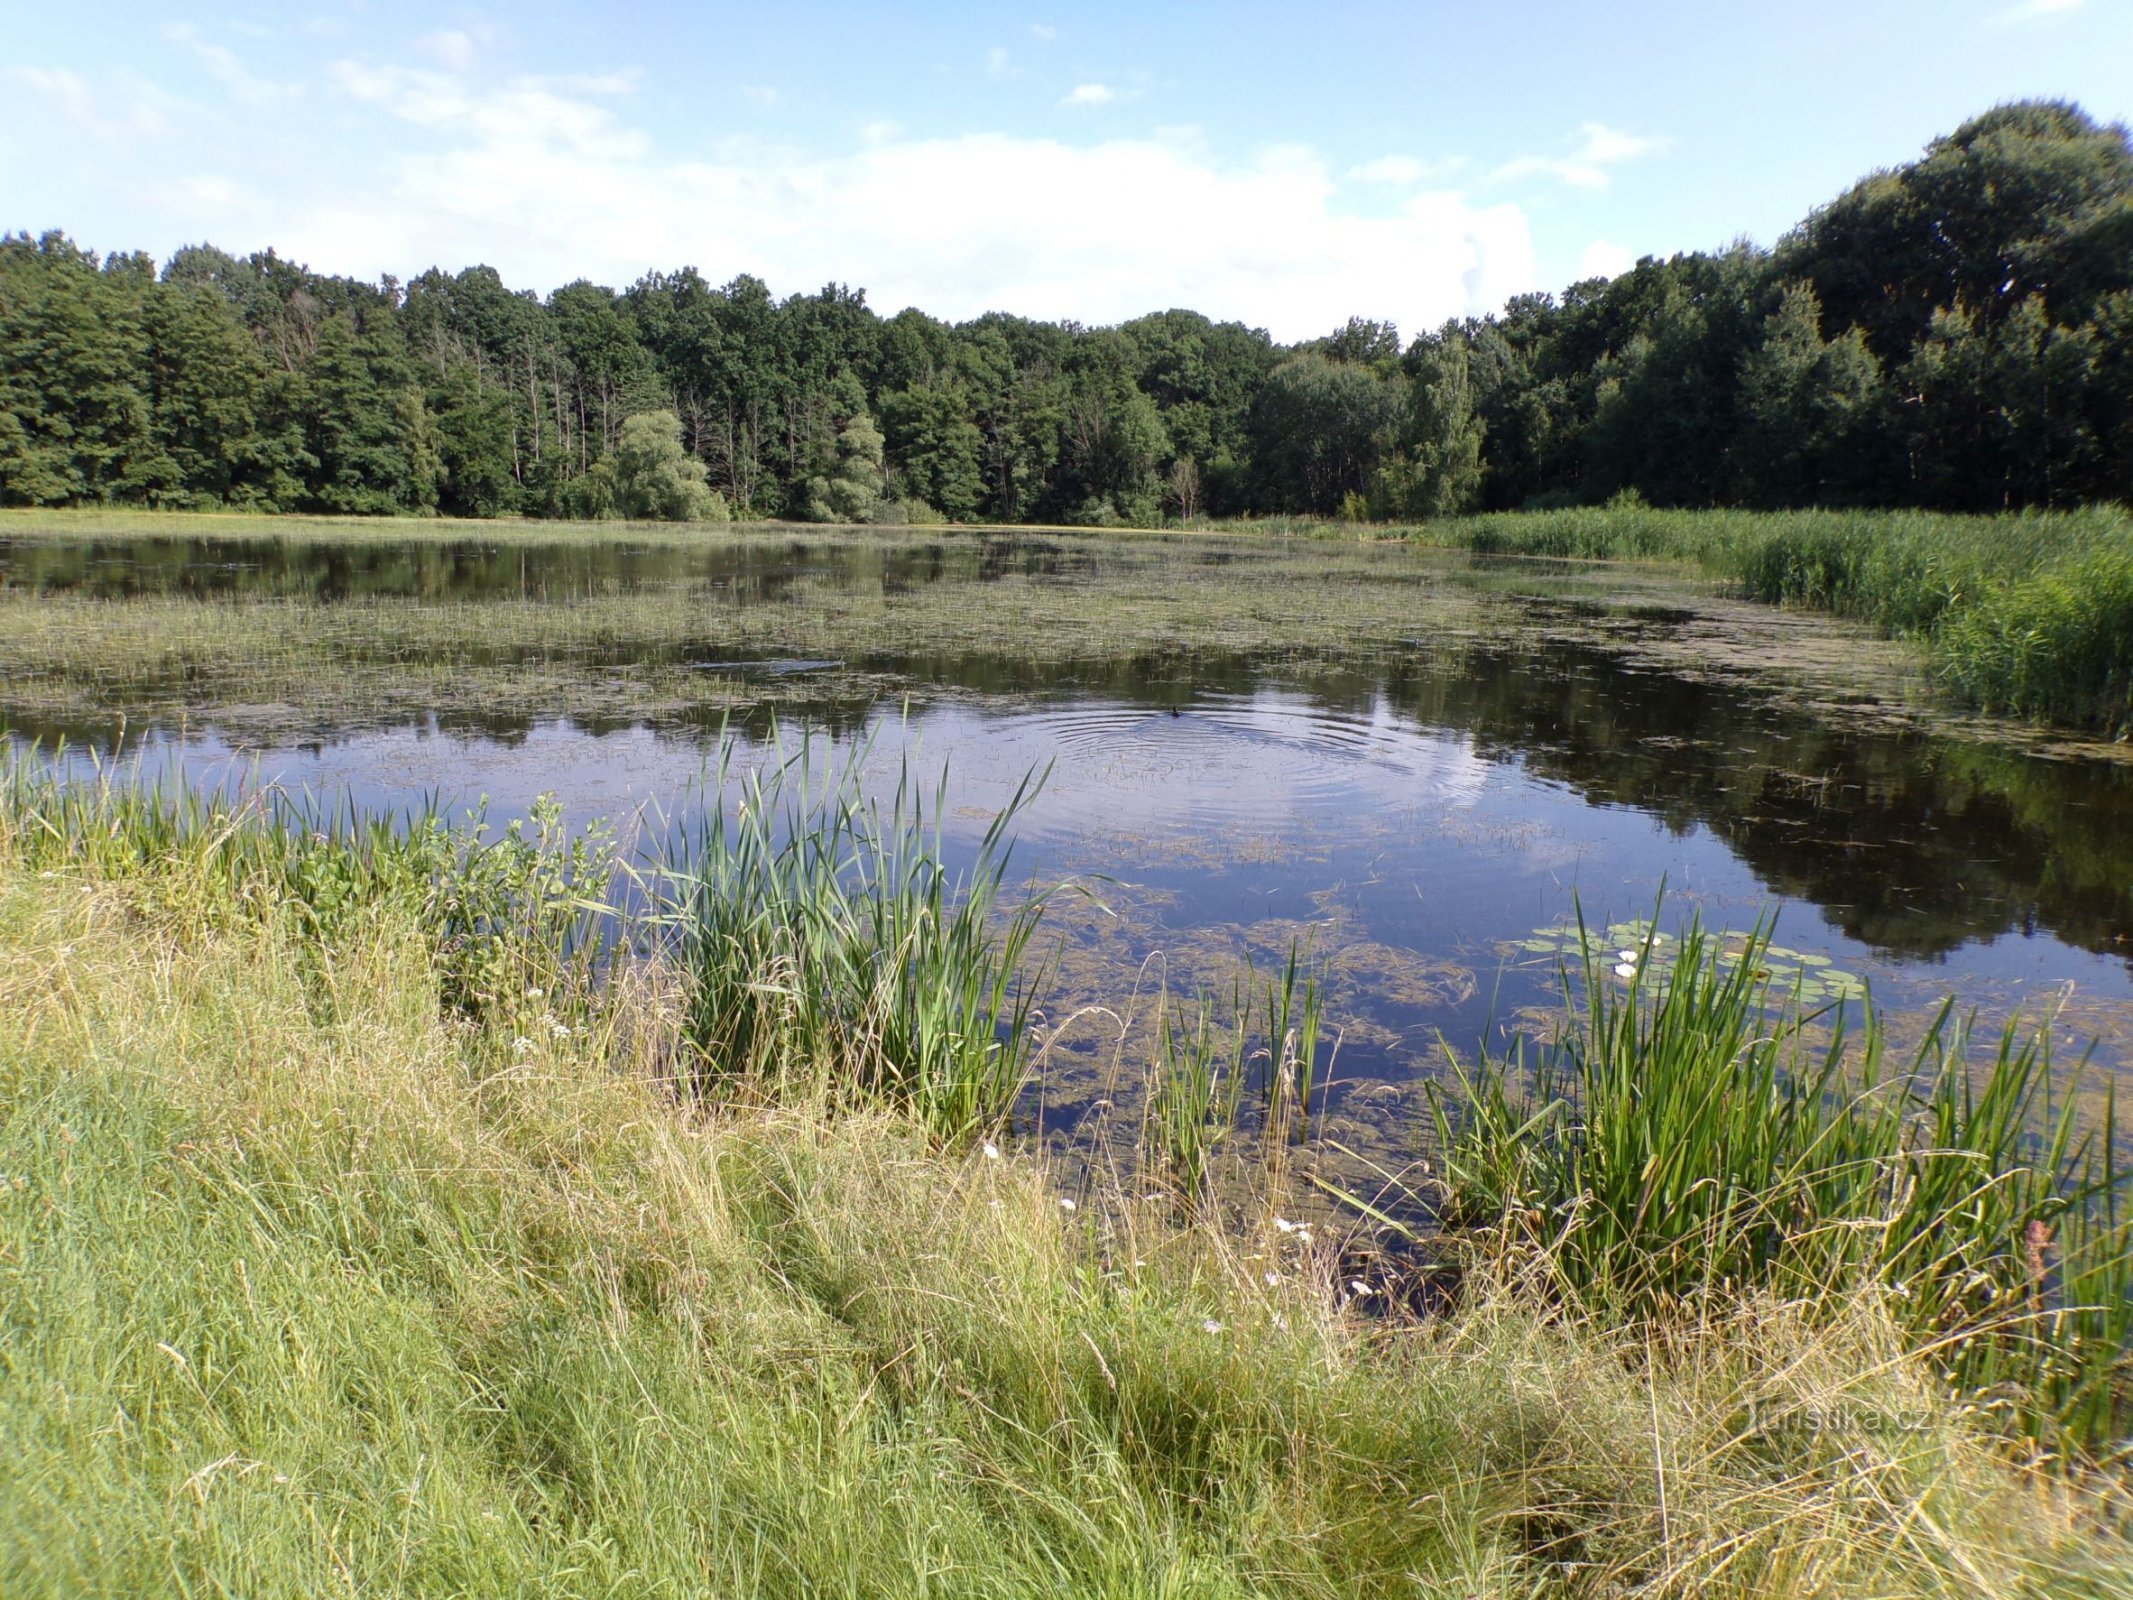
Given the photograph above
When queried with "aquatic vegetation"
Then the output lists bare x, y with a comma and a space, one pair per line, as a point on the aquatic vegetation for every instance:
822, 932
1687, 1139
1642, 948
2029, 612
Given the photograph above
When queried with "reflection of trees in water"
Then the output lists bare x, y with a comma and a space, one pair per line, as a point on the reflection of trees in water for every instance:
1907, 842
474, 570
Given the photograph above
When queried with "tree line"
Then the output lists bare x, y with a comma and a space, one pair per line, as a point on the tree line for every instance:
1956, 332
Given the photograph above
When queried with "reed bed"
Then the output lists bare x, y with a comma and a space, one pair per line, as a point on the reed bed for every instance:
2029, 613
1689, 1139
822, 931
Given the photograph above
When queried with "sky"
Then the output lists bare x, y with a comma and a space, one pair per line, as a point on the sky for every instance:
1287, 165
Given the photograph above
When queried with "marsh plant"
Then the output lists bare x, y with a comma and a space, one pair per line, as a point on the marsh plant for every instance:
501, 911
824, 934
1697, 1133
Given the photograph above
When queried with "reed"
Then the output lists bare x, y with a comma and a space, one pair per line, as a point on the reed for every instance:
1690, 1138
2029, 612
824, 932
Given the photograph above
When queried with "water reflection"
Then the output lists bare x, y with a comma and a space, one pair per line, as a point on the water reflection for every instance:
1417, 806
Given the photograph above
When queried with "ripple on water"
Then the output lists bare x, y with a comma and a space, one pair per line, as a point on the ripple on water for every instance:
1230, 761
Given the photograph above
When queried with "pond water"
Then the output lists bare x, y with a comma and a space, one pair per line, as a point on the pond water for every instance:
1416, 779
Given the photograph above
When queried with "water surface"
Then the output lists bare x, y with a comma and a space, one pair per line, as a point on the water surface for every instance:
1406, 764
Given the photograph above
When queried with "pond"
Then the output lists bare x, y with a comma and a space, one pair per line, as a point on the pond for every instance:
1420, 768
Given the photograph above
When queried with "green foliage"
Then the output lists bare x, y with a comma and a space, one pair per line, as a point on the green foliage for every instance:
1687, 1139
855, 489
1438, 471
825, 933
2026, 613
656, 480
1950, 334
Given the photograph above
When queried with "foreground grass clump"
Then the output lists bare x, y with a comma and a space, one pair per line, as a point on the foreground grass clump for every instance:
1687, 1140
822, 931
315, 1282
2029, 613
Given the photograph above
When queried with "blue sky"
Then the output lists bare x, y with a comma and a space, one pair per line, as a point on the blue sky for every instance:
1287, 165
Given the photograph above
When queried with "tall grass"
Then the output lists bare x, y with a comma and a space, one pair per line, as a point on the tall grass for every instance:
2029, 613
1688, 1141
821, 930
1207, 1065
314, 1283
500, 910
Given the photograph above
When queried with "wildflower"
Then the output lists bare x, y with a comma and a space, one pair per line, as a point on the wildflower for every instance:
1273, 1280
558, 1027
1065, 1204
992, 1151
1625, 955
532, 993
521, 1045
1211, 1326
1285, 1225
1358, 1288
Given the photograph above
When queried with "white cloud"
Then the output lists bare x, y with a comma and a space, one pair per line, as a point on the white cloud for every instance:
1090, 94
761, 94
542, 178
999, 64
455, 48
1600, 147
130, 111
213, 191
226, 70
2037, 11
1404, 172
1602, 259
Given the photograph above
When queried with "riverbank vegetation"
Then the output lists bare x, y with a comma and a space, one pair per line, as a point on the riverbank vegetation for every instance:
362, 1232
1954, 333
2030, 614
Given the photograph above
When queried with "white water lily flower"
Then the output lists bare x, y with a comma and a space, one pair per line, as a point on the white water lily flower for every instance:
1627, 969
1627, 955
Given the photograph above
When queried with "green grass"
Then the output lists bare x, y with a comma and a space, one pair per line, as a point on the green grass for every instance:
315, 1281
1688, 1139
2029, 613
823, 932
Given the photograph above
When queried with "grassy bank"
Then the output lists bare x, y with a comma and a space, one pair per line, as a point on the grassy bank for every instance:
2029, 613
355, 1240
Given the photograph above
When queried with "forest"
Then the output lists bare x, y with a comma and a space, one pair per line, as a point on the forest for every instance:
1953, 333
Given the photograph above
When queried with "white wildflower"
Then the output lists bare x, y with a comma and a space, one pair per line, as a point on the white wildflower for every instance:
521, 1044
1065, 1204
1211, 1326
1627, 969
992, 1151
